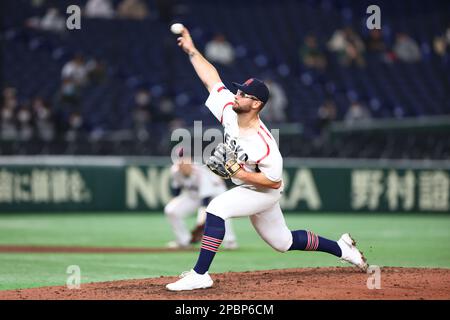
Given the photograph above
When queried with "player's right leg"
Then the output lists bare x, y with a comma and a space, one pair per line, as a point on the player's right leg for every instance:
271, 226
236, 202
229, 240
176, 211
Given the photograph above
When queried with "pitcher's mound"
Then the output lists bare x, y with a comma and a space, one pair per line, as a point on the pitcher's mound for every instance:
286, 284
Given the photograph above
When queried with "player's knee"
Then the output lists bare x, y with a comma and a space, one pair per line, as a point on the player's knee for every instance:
282, 246
215, 214
213, 208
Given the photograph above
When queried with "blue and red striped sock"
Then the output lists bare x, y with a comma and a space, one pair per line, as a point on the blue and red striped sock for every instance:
212, 238
308, 241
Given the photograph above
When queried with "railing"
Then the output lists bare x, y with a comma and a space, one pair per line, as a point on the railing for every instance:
429, 124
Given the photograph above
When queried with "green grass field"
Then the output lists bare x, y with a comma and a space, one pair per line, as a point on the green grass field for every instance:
387, 240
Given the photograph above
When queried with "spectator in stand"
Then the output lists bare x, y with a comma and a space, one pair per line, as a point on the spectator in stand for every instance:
220, 50
142, 116
337, 42
441, 44
376, 46
45, 129
7, 124
275, 109
9, 98
99, 9
68, 95
357, 113
326, 114
406, 48
96, 70
166, 111
354, 48
25, 123
52, 21
167, 119
311, 55
348, 46
8, 129
76, 127
141, 121
75, 70
167, 106
132, 9
375, 42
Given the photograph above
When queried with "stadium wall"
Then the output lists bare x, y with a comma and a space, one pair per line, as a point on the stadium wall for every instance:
60, 183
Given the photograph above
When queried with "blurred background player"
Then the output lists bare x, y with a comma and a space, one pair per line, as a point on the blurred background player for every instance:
194, 186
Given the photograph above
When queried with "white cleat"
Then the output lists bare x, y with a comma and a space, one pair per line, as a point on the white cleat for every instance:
230, 245
191, 280
350, 253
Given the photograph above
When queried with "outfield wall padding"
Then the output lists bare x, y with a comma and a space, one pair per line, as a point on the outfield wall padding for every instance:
57, 184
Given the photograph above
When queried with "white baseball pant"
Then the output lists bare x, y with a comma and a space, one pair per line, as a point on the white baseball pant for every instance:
263, 208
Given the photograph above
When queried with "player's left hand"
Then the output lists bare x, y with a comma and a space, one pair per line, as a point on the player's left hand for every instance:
240, 174
223, 162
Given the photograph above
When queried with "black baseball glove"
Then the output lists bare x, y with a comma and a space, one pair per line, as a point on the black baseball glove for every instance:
197, 233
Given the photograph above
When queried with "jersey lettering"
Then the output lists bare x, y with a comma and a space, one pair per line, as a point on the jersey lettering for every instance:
232, 143
243, 157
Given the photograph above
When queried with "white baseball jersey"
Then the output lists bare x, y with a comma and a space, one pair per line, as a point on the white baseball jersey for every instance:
201, 183
258, 152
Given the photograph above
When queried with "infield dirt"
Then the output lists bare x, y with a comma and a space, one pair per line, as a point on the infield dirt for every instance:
340, 283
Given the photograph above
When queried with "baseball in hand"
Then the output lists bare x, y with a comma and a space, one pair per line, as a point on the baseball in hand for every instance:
176, 28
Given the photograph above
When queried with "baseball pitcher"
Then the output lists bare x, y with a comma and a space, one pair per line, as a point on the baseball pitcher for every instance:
250, 157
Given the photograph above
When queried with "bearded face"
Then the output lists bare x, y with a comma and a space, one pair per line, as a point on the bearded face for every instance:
243, 102
241, 107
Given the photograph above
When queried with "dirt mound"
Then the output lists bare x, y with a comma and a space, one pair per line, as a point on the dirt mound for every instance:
71, 249
286, 284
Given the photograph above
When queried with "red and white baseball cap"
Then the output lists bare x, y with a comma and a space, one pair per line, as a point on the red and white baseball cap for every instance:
254, 87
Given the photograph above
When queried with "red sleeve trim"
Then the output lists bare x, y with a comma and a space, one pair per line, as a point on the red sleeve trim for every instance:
226, 105
221, 88
268, 148
265, 132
